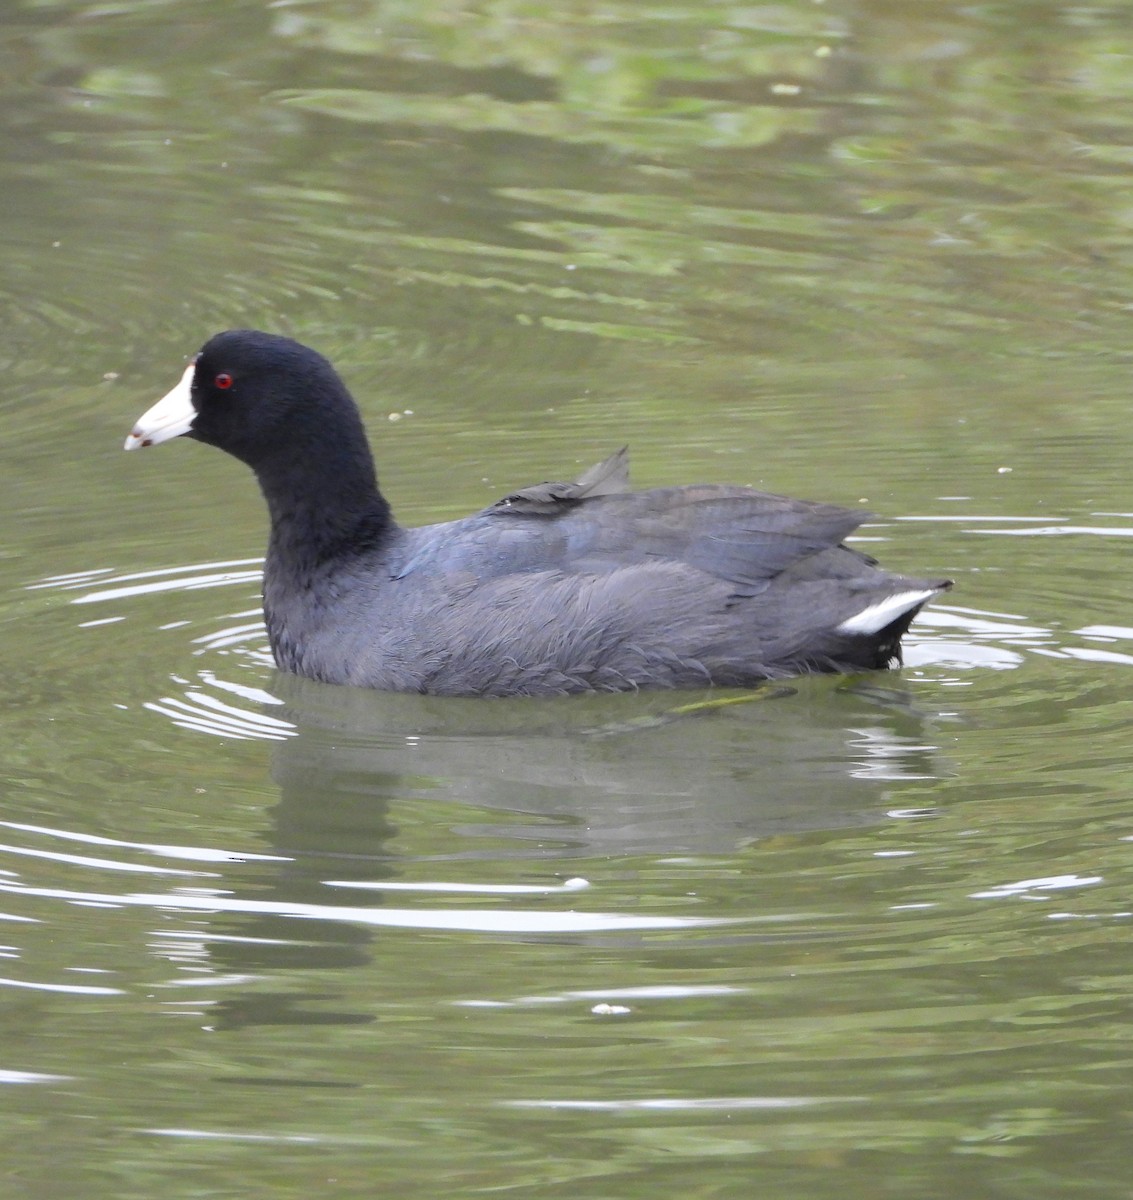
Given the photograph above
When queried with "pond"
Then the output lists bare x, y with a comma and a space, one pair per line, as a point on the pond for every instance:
838, 937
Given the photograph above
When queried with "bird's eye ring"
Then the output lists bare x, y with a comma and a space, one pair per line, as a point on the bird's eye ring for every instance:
223, 381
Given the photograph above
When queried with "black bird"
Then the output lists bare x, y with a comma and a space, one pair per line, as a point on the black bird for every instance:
561, 587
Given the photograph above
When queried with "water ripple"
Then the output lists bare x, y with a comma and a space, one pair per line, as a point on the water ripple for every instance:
502, 921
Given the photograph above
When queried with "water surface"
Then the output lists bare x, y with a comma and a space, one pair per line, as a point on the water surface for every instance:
833, 938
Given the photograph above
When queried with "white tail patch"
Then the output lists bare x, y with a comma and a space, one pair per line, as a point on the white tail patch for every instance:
877, 616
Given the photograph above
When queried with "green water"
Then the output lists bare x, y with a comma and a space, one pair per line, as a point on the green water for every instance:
847, 938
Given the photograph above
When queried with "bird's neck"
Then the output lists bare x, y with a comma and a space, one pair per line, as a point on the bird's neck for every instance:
338, 512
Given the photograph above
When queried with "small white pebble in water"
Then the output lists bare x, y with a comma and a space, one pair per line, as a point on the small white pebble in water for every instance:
56, 245
407, 412
823, 52
785, 89
109, 375
572, 266
395, 416
576, 882
1004, 470
609, 1010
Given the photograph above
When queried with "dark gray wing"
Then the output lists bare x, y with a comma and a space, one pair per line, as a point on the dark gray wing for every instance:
607, 478
595, 525
732, 533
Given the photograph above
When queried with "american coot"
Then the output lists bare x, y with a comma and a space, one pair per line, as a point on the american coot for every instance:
560, 587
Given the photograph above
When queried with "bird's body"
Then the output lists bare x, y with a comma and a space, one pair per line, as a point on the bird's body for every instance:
557, 588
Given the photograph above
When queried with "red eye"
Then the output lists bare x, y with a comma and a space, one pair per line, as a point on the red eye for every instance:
223, 380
